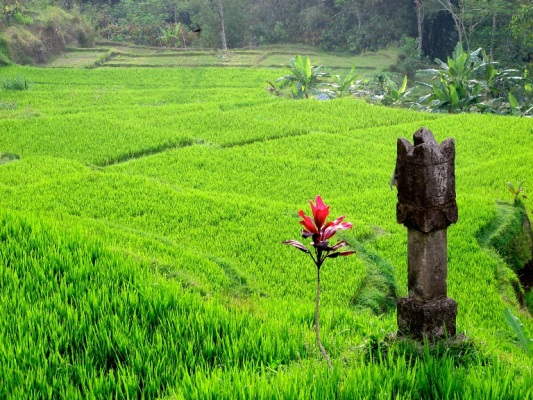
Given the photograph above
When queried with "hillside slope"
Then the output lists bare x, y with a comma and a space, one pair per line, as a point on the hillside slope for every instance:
28, 37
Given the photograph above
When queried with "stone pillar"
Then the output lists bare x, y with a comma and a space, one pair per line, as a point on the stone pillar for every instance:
425, 177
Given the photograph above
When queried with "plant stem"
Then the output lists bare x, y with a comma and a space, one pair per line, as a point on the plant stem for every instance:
317, 323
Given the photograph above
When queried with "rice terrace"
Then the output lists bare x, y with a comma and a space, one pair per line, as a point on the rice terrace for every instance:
144, 198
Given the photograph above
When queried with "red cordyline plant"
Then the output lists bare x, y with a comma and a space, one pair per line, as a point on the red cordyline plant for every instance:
321, 232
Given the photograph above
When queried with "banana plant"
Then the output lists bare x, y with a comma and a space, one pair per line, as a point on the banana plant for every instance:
514, 106
458, 86
341, 84
167, 34
304, 79
516, 191
395, 94
499, 83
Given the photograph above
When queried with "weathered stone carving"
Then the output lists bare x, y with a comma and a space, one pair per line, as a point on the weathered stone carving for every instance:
425, 177
426, 182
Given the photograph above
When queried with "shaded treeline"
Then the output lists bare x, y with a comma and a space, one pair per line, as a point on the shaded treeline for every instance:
502, 27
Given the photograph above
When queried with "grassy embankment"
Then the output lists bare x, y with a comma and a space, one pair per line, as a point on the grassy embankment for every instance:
39, 36
117, 55
140, 240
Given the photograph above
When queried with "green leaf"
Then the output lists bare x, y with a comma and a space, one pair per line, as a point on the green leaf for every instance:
458, 51
441, 92
441, 63
453, 96
513, 103
523, 338
424, 84
306, 68
404, 84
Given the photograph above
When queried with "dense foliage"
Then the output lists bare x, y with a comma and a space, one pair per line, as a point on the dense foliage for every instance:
466, 82
141, 217
470, 81
29, 37
503, 27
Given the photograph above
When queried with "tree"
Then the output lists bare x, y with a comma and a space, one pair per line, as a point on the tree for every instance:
420, 22
220, 11
469, 15
522, 27
359, 25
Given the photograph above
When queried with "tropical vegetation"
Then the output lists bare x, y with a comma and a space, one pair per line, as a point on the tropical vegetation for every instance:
502, 27
467, 82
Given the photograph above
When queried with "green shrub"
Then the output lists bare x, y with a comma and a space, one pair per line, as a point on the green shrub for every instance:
529, 300
409, 59
304, 79
21, 18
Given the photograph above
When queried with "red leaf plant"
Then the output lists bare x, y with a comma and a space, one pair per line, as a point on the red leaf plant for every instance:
321, 232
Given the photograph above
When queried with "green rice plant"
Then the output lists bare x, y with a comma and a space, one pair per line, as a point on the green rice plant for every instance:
104, 58
11, 105
8, 157
180, 192
509, 234
83, 313
378, 290
17, 83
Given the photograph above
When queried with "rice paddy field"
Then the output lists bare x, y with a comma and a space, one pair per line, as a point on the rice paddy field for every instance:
110, 54
140, 242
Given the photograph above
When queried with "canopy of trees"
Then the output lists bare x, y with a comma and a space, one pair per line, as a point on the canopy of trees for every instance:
503, 27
